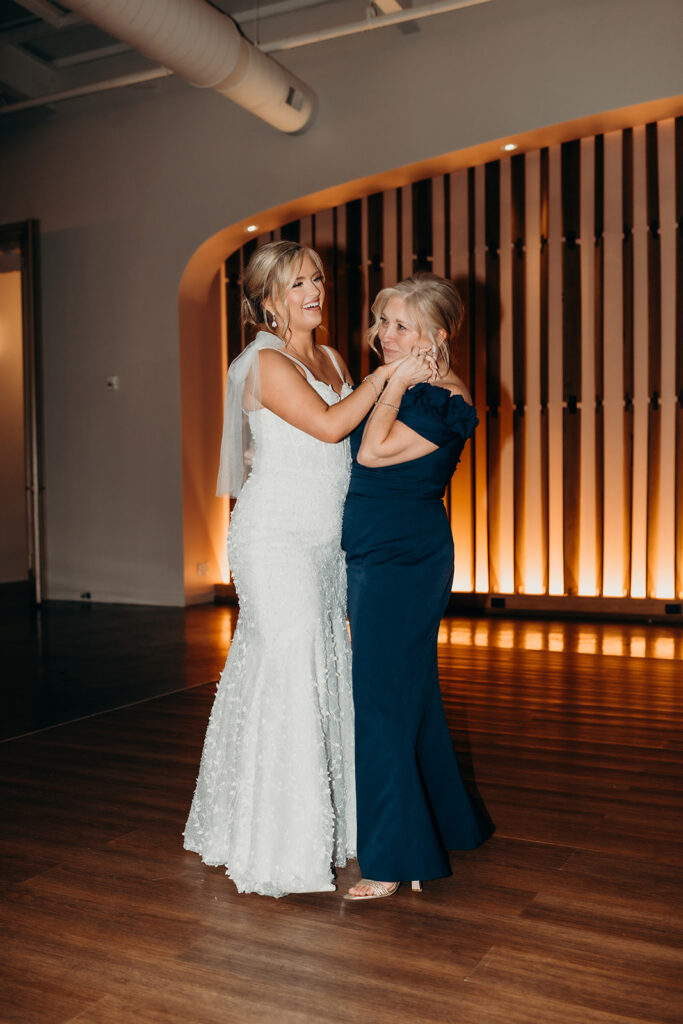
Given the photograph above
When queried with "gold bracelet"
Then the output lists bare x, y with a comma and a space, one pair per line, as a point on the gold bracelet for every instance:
390, 406
371, 381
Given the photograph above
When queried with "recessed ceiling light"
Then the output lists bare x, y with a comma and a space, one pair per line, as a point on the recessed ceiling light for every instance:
509, 146
252, 227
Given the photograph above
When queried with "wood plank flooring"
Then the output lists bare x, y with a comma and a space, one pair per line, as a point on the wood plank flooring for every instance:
570, 914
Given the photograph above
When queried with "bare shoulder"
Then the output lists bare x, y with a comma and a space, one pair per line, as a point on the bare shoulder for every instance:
275, 365
456, 386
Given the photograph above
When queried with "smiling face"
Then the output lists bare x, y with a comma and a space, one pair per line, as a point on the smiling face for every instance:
305, 299
398, 333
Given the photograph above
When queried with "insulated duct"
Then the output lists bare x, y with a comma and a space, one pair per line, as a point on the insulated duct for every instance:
197, 42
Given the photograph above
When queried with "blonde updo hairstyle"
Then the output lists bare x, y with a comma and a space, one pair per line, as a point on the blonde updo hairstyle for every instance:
271, 272
433, 305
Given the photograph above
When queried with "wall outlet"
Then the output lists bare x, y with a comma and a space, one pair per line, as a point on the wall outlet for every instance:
202, 568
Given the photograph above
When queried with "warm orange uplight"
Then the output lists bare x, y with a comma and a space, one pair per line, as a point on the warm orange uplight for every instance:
227, 625
665, 648
533, 578
637, 647
533, 641
461, 635
505, 639
612, 645
481, 635
664, 584
613, 585
556, 642
462, 578
587, 643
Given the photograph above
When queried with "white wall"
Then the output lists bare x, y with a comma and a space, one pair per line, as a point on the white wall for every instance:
128, 186
13, 538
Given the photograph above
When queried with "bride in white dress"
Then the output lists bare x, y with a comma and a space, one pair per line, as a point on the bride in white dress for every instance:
275, 797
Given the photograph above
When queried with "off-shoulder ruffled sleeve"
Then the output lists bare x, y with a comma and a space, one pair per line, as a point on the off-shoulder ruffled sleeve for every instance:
437, 415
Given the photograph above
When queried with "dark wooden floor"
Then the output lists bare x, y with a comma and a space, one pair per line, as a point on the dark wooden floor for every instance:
571, 914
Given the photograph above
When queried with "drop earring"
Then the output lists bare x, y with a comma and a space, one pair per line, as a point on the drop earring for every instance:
274, 322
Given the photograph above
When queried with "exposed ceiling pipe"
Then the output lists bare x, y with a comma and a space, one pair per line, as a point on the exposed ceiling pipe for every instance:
322, 35
202, 45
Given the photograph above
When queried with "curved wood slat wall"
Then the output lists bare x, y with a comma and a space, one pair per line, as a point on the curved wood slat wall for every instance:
570, 261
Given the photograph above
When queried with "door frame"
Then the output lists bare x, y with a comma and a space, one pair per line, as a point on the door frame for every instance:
24, 237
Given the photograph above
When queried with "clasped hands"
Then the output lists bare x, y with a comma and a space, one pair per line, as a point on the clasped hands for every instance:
417, 367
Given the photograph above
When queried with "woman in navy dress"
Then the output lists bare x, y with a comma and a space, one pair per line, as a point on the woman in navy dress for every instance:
412, 805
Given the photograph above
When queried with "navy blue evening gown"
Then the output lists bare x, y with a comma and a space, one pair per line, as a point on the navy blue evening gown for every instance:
412, 804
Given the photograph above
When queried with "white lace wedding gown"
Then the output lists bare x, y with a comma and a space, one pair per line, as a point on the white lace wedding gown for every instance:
275, 797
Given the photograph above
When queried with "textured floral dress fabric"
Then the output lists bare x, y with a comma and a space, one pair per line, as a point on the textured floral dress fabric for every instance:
275, 797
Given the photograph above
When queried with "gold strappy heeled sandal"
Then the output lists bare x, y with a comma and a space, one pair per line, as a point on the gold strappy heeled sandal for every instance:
379, 890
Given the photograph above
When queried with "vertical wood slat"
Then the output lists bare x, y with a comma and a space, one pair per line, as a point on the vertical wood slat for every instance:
639, 474
366, 298
555, 385
571, 343
407, 255
506, 455
481, 547
342, 332
679, 354
438, 218
535, 568
306, 231
628, 344
462, 484
355, 298
517, 312
587, 480
665, 525
654, 350
390, 232
598, 357
324, 245
614, 532
553, 580
422, 225
374, 268
492, 340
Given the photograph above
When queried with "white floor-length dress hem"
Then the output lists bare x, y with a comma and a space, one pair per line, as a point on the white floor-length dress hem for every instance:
275, 797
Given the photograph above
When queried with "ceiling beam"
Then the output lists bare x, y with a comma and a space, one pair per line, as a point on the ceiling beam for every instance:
49, 13
25, 74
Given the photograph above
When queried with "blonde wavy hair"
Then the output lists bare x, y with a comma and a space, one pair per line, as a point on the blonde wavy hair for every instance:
433, 305
271, 272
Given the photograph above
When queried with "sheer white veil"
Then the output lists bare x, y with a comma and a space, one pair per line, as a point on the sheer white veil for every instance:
242, 395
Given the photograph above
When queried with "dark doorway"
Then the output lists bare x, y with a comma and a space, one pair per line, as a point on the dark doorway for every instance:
21, 473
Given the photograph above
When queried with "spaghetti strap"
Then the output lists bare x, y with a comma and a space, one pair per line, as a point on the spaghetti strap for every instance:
298, 363
335, 363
